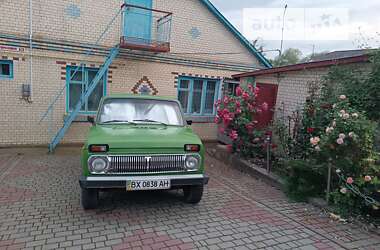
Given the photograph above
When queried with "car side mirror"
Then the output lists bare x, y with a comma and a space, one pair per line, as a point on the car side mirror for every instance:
91, 119
189, 122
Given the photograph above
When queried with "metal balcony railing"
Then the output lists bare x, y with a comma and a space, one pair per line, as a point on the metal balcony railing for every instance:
141, 29
145, 29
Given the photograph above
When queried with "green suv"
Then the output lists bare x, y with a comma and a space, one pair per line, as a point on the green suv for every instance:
141, 143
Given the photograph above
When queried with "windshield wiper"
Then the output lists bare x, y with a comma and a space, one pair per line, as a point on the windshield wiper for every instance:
151, 121
117, 121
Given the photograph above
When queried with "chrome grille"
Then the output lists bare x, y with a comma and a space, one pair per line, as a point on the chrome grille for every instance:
146, 164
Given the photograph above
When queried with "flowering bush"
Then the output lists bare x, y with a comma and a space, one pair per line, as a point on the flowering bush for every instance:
334, 132
235, 116
356, 195
347, 142
336, 128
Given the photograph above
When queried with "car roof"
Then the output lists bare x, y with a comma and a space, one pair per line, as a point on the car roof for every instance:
146, 97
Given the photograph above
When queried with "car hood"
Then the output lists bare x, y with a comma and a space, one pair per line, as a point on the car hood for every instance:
142, 136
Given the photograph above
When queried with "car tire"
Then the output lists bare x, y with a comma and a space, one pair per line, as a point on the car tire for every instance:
193, 194
89, 198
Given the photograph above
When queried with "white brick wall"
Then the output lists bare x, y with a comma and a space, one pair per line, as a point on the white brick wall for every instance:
51, 21
293, 86
20, 119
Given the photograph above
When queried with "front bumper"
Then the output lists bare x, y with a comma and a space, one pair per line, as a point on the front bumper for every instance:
103, 182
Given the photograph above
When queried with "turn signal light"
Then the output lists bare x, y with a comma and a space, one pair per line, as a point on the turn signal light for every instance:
98, 148
192, 148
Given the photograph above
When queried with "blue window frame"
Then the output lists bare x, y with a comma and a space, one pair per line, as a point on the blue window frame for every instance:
6, 69
198, 95
230, 88
79, 82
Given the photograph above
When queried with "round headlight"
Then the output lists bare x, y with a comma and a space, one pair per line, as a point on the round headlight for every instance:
98, 164
192, 162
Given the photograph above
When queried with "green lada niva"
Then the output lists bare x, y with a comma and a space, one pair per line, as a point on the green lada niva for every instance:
141, 143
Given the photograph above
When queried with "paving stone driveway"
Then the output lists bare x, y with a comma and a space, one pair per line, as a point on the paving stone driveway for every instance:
39, 208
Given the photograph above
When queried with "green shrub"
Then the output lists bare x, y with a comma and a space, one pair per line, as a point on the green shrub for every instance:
347, 204
357, 195
347, 79
306, 179
335, 133
377, 138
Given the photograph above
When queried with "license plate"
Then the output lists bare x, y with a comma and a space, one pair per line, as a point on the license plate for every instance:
148, 185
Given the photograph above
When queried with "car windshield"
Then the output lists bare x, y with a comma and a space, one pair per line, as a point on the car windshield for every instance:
134, 111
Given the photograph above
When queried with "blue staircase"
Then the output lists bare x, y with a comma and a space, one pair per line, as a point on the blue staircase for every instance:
162, 27
48, 115
71, 117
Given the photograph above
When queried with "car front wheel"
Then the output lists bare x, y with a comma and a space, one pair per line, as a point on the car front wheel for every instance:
193, 194
89, 198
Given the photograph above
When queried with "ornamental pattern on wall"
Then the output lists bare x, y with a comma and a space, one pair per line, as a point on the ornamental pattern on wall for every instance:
72, 11
195, 33
64, 65
144, 87
177, 75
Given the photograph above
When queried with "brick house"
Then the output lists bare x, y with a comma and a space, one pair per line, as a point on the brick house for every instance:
286, 88
51, 51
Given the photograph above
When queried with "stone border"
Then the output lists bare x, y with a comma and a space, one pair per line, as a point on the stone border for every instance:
221, 153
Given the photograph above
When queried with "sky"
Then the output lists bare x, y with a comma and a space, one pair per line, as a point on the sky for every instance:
351, 23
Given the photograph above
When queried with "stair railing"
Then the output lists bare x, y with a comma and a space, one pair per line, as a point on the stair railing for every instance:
81, 65
50, 110
84, 96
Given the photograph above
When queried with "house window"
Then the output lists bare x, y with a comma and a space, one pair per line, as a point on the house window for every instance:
197, 95
230, 87
6, 69
78, 81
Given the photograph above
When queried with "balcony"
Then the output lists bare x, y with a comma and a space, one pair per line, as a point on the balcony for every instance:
145, 29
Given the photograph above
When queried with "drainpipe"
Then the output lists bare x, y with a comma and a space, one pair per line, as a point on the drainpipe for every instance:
31, 47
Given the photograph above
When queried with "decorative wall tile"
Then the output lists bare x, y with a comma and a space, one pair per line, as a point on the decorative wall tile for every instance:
64, 64
195, 33
145, 87
63, 69
72, 11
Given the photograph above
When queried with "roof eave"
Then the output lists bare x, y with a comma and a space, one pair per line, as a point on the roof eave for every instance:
303, 66
236, 33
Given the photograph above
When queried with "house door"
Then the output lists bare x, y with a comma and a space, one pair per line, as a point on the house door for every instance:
138, 22
268, 94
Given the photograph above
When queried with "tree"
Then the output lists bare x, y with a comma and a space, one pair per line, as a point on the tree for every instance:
345, 80
290, 56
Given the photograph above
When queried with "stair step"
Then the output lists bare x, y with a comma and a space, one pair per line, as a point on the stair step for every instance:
71, 117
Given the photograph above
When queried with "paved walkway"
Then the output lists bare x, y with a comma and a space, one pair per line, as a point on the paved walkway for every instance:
39, 208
